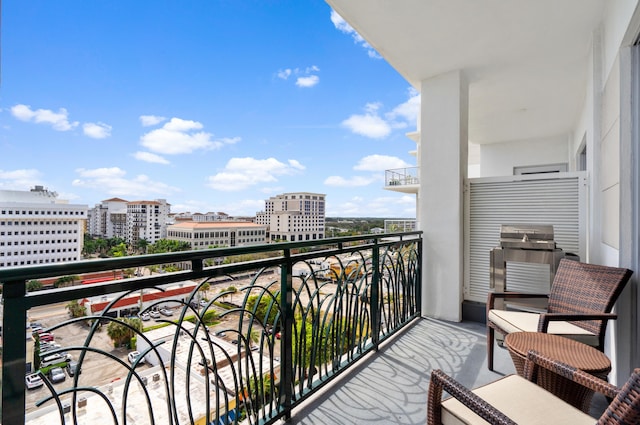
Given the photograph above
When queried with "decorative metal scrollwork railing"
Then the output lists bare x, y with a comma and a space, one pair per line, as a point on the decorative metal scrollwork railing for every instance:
244, 341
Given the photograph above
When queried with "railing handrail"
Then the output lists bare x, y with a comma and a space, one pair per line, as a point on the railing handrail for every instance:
11, 274
18, 301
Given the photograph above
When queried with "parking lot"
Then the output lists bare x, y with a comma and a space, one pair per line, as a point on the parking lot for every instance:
96, 369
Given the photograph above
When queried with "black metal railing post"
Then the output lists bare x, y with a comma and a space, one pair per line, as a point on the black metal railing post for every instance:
286, 338
14, 352
374, 302
419, 274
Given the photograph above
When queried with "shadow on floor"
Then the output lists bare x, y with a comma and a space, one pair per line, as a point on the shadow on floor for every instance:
390, 387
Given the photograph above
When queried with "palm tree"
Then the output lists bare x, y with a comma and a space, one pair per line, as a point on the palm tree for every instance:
65, 281
204, 288
142, 245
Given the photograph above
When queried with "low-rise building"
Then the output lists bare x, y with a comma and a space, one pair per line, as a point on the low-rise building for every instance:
203, 235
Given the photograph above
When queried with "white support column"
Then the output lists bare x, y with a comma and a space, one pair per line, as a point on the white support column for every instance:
443, 170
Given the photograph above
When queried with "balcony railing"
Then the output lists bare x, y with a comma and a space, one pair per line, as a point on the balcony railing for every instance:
249, 341
402, 176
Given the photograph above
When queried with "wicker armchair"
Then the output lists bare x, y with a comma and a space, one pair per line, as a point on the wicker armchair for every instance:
517, 400
579, 306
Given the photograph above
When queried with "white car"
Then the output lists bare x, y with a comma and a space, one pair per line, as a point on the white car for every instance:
33, 381
57, 358
132, 356
154, 314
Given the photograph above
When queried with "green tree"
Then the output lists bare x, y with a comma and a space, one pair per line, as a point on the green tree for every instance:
64, 281
204, 288
34, 285
119, 250
232, 290
142, 245
121, 334
266, 310
168, 245
76, 309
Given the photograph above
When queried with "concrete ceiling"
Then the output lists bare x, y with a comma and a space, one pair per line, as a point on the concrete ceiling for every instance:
526, 60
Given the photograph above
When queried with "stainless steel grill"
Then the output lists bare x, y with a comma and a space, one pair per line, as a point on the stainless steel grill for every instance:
523, 243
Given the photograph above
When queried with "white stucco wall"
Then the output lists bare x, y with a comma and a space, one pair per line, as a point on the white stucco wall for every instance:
443, 169
499, 159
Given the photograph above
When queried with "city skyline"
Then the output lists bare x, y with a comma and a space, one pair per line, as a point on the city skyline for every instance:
213, 106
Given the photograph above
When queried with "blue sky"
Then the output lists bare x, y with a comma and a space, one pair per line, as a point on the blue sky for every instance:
214, 105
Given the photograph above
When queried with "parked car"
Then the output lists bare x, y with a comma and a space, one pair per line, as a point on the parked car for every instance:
166, 312
145, 317
72, 368
47, 346
203, 303
57, 375
154, 314
55, 359
33, 381
46, 336
132, 356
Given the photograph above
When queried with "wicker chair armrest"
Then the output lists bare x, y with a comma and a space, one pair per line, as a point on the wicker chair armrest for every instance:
546, 318
587, 380
439, 381
493, 296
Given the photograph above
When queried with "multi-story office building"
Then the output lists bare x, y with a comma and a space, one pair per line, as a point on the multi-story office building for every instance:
147, 220
108, 219
38, 228
205, 235
203, 217
292, 217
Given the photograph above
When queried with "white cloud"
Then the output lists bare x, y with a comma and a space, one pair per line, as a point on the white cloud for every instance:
380, 163
296, 164
241, 173
368, 125
304, 77
309, 81
372, 124
150, 157
407, 111
272, 190
356, 181
149, 120
58, 120
179, 136
284, 73
19, 179
342, 26
96, 130
112, 181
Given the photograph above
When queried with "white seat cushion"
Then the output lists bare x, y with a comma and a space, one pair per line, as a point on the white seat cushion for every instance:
521, 400
518, 321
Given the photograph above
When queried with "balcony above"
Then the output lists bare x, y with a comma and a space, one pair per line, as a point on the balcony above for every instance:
403, 180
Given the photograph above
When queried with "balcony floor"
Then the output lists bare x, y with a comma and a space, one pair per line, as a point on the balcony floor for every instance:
390, 387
